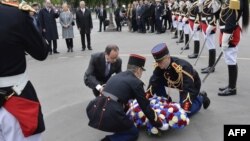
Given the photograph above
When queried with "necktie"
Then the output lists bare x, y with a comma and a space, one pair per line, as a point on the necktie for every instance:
107, 68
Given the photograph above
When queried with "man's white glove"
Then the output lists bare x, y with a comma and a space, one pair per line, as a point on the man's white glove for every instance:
196, 26
164, 127
99, 87
184, 20
225, 41
209, 29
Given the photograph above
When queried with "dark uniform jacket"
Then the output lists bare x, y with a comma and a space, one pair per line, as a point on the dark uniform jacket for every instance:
229, 22
180, 75
84, 21
19, 35
48, 22
125, 86
95, 73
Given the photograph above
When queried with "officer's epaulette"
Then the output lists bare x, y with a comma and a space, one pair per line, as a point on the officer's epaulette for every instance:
9, 3
22, 6
178, 68
25, 7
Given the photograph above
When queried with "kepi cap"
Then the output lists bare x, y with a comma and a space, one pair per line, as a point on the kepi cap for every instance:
160, 51
137, 60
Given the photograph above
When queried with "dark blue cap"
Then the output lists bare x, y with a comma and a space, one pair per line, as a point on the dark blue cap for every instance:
137, 60
159, 51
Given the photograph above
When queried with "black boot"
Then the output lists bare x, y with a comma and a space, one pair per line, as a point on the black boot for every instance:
232, 78
206, 100
175, 34
186, 41
211, 61
181, 37
196, 50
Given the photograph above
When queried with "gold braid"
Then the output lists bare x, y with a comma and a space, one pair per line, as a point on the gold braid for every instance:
178, 83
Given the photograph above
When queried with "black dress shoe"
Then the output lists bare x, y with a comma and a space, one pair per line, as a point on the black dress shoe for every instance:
83, 49
223, 88
206, 70
90, 48
68, 50
206, 100
228, 92
180, 41
175, 37
192, 56
186, 48
56, 52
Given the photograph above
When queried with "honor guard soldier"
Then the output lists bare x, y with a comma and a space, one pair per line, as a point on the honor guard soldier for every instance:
118, 90
180, 24
209, 16
21, 117
175, 14
177, 73
186, 28
194, 22
231, 12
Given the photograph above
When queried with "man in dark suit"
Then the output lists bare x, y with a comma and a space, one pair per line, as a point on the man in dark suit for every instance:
84, 24
101, 66
47, 18
102, 15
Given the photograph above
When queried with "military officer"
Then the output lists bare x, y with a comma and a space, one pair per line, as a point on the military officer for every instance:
177, 73
230, 30
120, 88
20, 110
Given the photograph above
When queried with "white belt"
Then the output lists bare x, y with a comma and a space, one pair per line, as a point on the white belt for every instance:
18, 82
203, 19
192, 18
222, 27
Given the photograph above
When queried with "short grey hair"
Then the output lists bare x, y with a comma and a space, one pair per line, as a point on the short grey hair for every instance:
132, 68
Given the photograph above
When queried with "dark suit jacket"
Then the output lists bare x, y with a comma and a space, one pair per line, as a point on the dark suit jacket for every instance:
95, 73
84, 21
48, 22
103, 16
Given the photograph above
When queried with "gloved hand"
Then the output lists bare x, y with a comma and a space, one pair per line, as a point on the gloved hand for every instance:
196, 27
179, 19
164, 127
209, 29
226, 37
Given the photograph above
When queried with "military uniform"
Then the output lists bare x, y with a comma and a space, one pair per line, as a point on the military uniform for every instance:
179, 75
194, 21
209, 16
20, 110
186, 28
118, 90
229, 39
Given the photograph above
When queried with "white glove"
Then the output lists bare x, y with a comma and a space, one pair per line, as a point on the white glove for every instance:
209, 29
99, 87
164, 127
196, 26
179, 19
160, 18
184, 20
225, 41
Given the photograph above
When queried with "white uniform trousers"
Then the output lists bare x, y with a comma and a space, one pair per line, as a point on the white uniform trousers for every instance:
10, 129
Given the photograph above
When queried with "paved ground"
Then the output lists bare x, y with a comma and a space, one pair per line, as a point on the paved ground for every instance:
63, 95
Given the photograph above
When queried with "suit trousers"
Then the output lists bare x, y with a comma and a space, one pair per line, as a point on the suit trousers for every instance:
102, 23
69, 43
54, 45
83, 40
